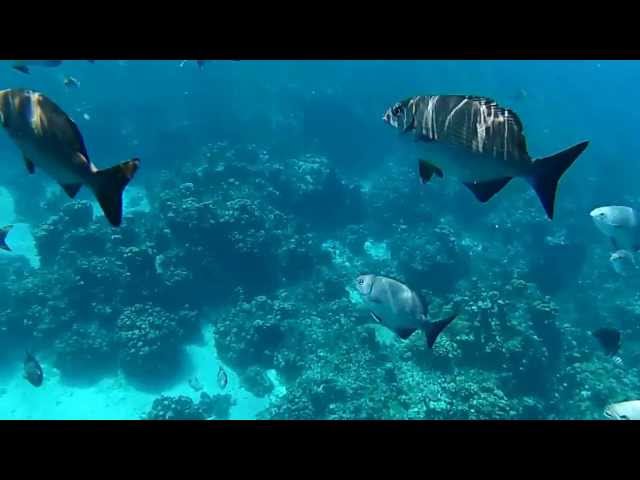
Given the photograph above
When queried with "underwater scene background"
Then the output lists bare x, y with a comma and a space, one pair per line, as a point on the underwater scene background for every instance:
265, 188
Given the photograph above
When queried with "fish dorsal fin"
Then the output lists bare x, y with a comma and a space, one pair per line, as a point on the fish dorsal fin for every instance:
484, 191
31, 168
72, 189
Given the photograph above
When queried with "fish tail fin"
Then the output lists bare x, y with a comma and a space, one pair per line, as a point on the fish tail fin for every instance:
434, 329
109, 185
4, 231
547, 172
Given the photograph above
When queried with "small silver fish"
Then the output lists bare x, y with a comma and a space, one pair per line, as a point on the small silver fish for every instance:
624, 263
620, 224
623, 411
397, 307
223, 379
478, 142
618, 361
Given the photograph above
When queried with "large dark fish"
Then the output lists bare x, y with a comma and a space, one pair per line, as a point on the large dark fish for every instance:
609, 339
397, 307
50, 140
4, 231
33, 370
479, 142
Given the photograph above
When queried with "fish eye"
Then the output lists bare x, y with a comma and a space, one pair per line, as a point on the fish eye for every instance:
396, 110
361, 282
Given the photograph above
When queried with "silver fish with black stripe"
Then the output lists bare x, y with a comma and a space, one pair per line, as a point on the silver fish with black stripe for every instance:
478, 142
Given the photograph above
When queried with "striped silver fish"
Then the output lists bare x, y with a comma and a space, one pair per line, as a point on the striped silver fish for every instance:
478, 142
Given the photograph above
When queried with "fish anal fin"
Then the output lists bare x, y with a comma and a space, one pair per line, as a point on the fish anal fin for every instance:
405, 333
427, 170
72, 189
31, 168
484, 191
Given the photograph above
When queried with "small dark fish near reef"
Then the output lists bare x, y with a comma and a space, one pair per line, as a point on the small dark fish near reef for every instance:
4, 231
223, 379
478, 142
50, 140
609, 339
397, 307
33, 370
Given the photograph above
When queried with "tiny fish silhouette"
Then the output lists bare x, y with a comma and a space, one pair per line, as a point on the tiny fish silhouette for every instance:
33, 370
223, 379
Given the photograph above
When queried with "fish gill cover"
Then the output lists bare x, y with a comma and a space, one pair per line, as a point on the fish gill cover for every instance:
264, 190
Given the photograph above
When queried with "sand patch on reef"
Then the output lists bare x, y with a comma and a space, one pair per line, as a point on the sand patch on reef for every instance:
115, 399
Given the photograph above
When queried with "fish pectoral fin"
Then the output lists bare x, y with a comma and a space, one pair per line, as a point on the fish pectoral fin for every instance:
484, 191
376, 317
427, 170
31, 168
72, 189
405, 333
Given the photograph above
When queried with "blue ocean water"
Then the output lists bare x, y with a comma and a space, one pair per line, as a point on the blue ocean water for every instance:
265, 188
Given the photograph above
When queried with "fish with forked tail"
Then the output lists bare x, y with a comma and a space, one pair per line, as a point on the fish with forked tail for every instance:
50, 140
397, 307
4, 231
478, 142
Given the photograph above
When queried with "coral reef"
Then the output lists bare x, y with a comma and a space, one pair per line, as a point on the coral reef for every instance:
184, 408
